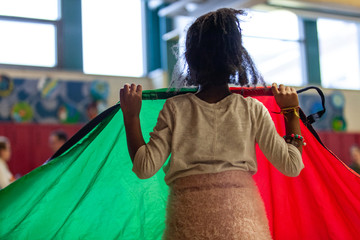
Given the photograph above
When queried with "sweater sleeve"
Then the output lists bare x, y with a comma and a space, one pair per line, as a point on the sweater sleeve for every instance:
283, 156
151, 157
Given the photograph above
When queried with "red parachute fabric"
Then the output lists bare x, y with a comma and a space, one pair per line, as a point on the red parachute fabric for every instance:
322, 203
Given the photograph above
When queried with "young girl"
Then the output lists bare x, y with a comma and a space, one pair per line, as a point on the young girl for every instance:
5, 153
211, 136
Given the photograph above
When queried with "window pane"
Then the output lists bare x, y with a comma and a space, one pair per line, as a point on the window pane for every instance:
280, 24
40, 9
112, 37
273, 41
27, 44
278, 61
339, 54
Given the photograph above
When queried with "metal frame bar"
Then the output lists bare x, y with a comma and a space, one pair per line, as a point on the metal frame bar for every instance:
312, 54
70, 31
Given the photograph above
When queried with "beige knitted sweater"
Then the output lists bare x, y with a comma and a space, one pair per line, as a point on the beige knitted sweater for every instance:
213, 137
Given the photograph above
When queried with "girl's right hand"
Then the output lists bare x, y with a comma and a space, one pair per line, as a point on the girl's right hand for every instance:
130, 100
285, 97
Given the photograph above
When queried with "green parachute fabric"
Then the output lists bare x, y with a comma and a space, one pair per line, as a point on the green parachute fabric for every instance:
88, 190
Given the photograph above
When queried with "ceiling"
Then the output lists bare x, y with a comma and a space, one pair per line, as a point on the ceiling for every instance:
349, 8
198, 7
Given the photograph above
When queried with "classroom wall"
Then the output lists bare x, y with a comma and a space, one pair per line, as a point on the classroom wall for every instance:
27, 157
158, 79
351, 110
115, 82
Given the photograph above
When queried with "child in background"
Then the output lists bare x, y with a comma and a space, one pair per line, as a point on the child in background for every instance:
355, 158
211, 136
57, 138
5, 153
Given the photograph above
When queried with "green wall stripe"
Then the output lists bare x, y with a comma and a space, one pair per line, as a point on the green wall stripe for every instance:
312, 53
71, 36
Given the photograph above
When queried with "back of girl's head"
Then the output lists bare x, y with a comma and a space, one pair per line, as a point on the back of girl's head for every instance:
215, 53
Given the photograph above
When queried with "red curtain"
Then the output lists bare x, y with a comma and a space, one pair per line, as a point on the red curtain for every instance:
339, 143
29, 144
322, 203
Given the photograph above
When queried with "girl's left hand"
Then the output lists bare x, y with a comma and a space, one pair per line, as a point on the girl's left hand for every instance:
285, 96
130, 100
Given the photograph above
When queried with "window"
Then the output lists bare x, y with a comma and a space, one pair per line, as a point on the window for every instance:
273, 41
112, 37
36, 9
27, 44
29, 32
339, 54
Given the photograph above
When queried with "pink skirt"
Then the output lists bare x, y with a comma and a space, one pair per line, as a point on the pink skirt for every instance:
225, 205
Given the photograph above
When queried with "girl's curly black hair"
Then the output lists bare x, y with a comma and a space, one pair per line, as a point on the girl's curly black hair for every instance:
215, 54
